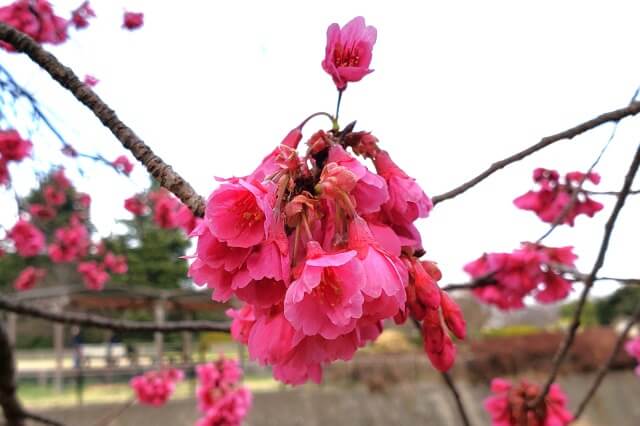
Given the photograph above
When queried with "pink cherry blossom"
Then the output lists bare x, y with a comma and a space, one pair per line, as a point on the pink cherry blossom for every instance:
243, 320
61, 179
70, 243
155, 387
370, 190
279, 159
528, 270
80, 17
326, 299
550, 201
437, 343
54, 196
28, 240
407, 201
123, 165
36, 19
240, 213
115, 263
12, 146
185, 219
41, 212
136, 206
633, 348
93, 275
132, 20
165, 210
349, 51
229, 410
28, 278
84, 200
509, 406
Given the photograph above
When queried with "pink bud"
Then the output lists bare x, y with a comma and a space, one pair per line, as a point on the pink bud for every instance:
453, 316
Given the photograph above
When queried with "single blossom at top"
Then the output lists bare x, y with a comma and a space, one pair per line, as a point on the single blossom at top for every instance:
553, 197
349, 51
509, 406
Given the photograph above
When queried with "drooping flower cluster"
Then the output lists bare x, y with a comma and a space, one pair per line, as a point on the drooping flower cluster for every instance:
36, 19
156, 387
633, 348
536, 270
221, 399
318, 247
431, 306
12, 149
550, 201
510, 405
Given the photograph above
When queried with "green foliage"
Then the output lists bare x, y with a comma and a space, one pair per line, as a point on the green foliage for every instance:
620, 303
511, 330
589, 313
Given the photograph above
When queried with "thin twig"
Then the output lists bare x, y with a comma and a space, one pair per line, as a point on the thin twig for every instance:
588, 283
98, 321
611, 116
456, 395
616, 193
161, 171
604, 369
112, 415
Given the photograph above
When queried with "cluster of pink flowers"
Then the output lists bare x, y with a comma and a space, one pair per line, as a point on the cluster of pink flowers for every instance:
168, 212
12, 149
551, 199
70, 243
156, 387
221, 400
319, 248
510, 405
36, 19
633, 348
123, 165
532, 269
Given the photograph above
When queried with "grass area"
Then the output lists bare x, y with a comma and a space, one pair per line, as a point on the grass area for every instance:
36, 396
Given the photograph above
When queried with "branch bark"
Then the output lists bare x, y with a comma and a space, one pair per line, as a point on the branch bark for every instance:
97, 321
590, 279
612, 116
161, 171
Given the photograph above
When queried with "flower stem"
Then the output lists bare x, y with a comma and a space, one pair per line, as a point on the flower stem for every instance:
335, 122
316, 114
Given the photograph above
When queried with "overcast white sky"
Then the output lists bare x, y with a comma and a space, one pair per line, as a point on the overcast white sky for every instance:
213, 86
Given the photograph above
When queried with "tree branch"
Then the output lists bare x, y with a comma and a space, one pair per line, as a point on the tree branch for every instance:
98, 321
456, 395
14, 413
590, 279
612, 116
607, 365
161, 171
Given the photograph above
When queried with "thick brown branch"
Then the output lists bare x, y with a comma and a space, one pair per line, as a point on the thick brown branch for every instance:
613, 116
161, 171
590, 279
604, 369
14, 413
97, 321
